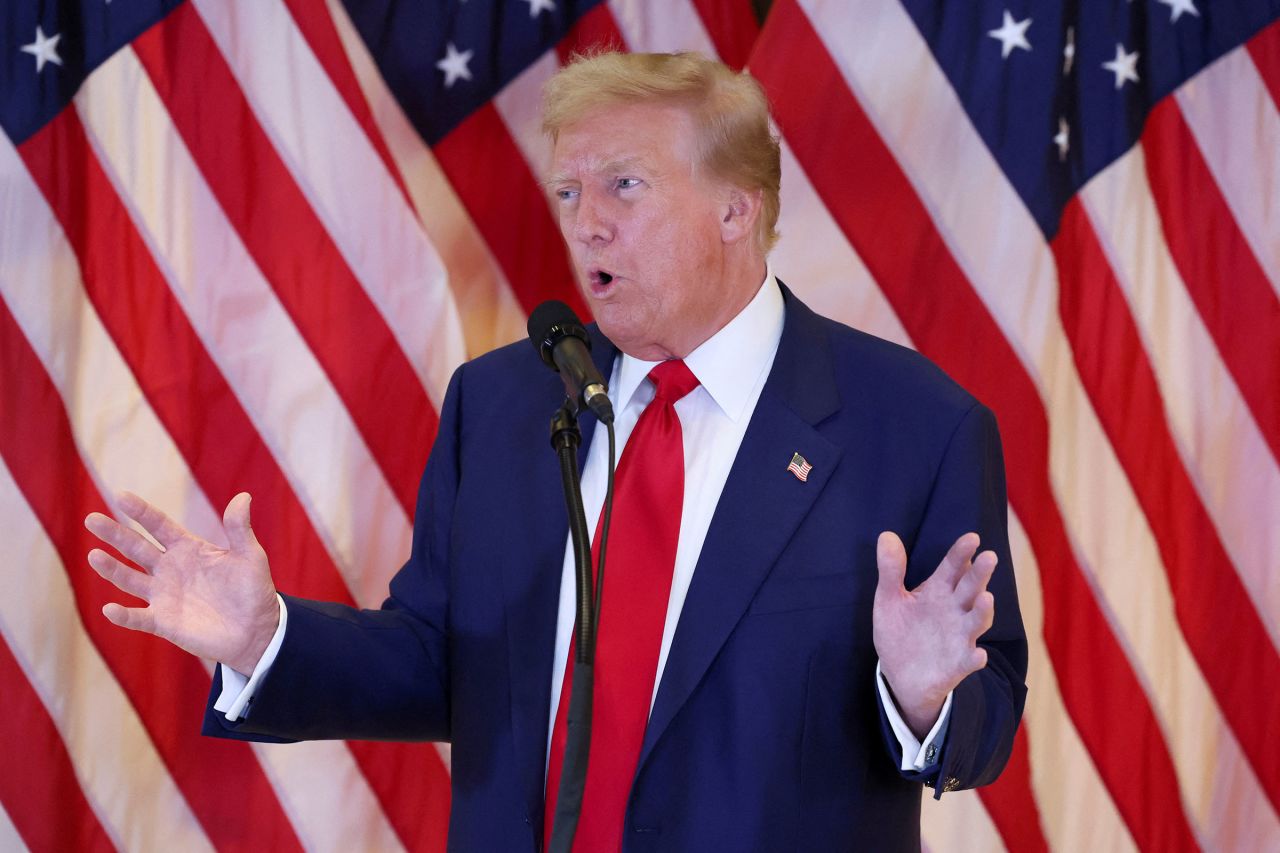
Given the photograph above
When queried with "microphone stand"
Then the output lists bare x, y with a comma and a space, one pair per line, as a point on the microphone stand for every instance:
565, 439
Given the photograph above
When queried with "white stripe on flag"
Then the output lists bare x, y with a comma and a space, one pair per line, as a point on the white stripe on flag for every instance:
326, 796
10, 841
988, 229
958, 823
833, 282
238, 318
344, 180
1062, 773
649, 26
122, 776
1118, 553
1237, 125
111, 420
1233, 469
488, 309
520, 105
888, 66
125, 446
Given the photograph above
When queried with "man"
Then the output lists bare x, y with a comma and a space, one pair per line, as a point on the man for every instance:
751, 594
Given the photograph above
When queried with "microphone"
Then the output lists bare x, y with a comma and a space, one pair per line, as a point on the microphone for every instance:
561, 341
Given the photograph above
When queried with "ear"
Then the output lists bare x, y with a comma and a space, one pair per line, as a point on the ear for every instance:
738, 214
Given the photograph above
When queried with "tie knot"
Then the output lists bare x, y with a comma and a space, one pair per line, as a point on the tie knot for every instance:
672, 379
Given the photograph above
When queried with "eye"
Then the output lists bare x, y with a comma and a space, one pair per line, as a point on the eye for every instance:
566, 194
627, 183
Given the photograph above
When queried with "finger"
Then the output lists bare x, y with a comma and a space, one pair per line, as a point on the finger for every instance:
132, 544
977, 659
975, 580
235, 523
983, 614
954, 565
891, 560
125, 579
133, 618
165, 530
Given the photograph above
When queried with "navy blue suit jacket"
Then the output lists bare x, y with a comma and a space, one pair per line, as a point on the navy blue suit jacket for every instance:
766, 732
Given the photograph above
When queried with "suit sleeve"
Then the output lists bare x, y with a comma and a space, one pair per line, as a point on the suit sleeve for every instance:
969, 494
370, 674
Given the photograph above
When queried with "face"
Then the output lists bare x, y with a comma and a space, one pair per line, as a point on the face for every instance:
655, 246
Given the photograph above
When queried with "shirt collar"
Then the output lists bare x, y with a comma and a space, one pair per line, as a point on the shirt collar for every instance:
729, 363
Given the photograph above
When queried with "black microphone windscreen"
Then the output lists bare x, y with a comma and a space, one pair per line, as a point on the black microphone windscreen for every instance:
550, 322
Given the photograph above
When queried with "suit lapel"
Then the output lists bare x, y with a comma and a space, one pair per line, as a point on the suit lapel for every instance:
759, 510
531, 588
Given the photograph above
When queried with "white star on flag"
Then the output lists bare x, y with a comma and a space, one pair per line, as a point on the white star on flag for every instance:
1177, 7
536, 6
1124, 66
1069, 51
454, 65
44, 49
1062, 139
1011, 34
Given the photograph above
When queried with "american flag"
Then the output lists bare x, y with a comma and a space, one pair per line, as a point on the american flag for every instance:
800, 467
244, 244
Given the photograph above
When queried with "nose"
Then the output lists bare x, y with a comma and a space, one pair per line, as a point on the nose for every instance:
592, 221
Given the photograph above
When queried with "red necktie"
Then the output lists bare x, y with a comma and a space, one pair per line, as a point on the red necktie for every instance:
647, 503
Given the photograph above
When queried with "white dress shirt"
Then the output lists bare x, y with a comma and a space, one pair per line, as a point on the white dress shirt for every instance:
732, 367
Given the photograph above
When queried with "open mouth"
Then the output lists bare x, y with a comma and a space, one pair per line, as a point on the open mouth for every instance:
599, 280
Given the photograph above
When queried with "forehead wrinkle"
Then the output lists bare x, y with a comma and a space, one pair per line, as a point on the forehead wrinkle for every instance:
581, 153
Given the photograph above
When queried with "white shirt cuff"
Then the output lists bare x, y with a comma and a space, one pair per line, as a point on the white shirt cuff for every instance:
238, 689
916, 755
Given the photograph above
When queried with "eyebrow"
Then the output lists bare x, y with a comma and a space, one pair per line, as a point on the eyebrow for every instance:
623, 165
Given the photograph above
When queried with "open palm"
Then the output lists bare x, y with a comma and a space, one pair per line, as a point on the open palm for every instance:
218, 603
927, 637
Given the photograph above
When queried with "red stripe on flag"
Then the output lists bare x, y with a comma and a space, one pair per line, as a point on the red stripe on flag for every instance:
412, 783
1119, 380
939, 309
201, 413
507, 204
1265, 50
317, 27
195, 404
1010, 802
595, 31
732, 26
221, 780
192, 399
333, 313
40, 791
1209, 249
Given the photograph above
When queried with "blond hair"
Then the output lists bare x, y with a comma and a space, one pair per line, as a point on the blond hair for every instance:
729, 110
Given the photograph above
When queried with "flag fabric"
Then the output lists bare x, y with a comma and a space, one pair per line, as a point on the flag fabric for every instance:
800, 467
243, 246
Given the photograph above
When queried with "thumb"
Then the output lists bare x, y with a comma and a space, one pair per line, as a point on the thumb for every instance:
891, 558
235, 523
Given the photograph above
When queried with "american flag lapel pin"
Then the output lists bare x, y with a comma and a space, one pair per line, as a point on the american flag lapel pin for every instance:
800, 467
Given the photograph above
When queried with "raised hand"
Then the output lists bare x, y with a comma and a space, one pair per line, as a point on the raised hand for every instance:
927, 637
218, 603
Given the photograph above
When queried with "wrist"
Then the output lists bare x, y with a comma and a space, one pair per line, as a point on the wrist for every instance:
259, 638
921, 719
918, 707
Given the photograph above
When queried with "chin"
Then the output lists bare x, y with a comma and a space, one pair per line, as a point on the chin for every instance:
624, 337
618, 333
